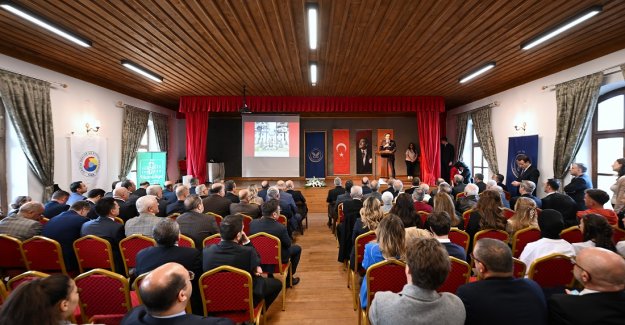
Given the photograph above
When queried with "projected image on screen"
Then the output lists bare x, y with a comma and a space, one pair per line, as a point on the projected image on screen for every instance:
271, 139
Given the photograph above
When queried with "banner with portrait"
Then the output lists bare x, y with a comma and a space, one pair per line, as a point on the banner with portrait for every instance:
364, 151
340, 147
315, 144
527, 145
88, 162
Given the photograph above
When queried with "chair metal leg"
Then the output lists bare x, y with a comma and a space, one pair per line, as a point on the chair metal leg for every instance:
349, 273
354, 291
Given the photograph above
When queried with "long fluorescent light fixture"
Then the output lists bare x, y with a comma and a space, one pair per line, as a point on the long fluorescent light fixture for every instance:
40, 21
570, 23
312, 25
313, 73
477, 72
142, 71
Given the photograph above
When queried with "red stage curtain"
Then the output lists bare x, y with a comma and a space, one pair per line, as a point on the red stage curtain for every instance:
197, 129
428, 127
289, 104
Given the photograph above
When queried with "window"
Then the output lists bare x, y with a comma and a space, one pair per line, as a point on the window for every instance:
480, 165
147, 144
608, 137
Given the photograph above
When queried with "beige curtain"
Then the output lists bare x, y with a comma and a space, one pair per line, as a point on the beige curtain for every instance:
462, 121
484, 132
576, 100
27, 102
135, 124
161, 127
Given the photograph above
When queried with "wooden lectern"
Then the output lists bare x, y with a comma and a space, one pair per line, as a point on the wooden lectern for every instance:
382, 168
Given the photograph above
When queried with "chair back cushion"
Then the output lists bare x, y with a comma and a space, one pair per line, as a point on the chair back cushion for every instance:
523, 237
555, 270
227, 292
24, 277
11, 253
93, 253
508, 213
102, 293
518, 268
268, 247
246, 224
458, 275
131, 246
618, 235
460, 238
572, 235
43, 254
359, 248
211, 240
389, 275
491, 233
282, 220
185, 241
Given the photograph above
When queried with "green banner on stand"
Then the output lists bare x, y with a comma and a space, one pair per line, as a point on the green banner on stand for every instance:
151, 167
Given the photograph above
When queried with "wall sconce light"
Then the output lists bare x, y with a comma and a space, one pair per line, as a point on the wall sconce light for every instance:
521, 127
95, 127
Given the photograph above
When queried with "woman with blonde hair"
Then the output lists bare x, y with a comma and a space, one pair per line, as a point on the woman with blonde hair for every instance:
390, 244
444, 203
525, 215
370, 216
253, 195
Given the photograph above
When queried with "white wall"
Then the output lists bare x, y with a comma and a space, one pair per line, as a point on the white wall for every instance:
71, 108
537, 107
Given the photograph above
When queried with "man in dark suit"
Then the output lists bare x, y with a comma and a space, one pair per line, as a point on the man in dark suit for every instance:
269, 223
390, 146
351, 210
157, 191
236, 250
460, 185
230, 188
448, 155
166, 234
196, 224
601, 272
366, 185
165, 292
168, 192
65, 229
331, 199
579, 183
127, 210
364, 157
526, 189
178, 207
56, 205
479, 181
216, 202
499, 179
440, 225
528, 171
252, 210
264, 186
93, 196
517, 301
560, 202
298, 197
106, 227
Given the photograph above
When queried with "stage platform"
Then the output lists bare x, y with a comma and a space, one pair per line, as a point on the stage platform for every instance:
315, 196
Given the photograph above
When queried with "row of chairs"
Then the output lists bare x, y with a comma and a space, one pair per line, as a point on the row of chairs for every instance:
246, 220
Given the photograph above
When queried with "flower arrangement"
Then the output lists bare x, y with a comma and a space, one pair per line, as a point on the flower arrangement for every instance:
315, 182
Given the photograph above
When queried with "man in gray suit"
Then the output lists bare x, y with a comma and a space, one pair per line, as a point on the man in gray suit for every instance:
375, 191
25, 224
427, 266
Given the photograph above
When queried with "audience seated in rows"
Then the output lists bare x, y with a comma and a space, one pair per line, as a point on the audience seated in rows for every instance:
526, 189
345, 230
93, 196
268, 223
17, 204
395, 187
460, 185
559, 202
165, 293
25, 224
57, 204
127, 208
264, 186
333, 194
369, 218
486, 215
298, 197
178, 206
244, 206
469, 200
65, 229
525, 215
366, 185
47, 301
416, 183
551, 224
498, 297
427, 267
287, 206
157, 191
196, 224
144, 223
375, 191
439, 224
346, 196
193, 183
479, 181
236, 250
418, 196
595, 199
77, 188
105, 227
216, 202
597, 232
602, 273
404, 209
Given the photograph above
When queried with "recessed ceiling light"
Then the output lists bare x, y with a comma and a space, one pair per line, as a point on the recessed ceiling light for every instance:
312, 25
141, 70
313, 73
477, 72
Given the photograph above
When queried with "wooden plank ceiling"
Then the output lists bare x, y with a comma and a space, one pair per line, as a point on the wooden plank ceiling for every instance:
366, 47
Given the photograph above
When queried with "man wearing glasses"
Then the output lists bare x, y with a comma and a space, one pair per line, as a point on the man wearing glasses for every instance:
602, 273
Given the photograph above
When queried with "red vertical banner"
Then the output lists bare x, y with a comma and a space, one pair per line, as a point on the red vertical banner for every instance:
340, 147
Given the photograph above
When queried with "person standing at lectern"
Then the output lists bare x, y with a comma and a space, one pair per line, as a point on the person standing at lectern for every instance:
389, 145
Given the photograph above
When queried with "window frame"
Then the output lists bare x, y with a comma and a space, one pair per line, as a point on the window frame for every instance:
598, 135
475, 143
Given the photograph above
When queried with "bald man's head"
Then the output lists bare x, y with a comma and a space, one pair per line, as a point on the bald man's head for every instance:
165, 290
600, 269
121, 192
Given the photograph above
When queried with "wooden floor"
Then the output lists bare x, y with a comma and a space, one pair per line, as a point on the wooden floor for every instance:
322, 296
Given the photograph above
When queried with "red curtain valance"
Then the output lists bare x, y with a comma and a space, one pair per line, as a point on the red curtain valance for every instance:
275, 104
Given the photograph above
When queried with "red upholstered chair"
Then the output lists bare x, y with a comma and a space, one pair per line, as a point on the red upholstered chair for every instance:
523, 237
460, 238
355, 270
508, 195
572, 234
119, 220
270, 250
25, 277
508, 213
43, 254
340, 214
93, 252
173, 216
618, 235
3, 293
388, 275
11, 259
43, 221
555, 270
211, 240
491, 233
518, 268
227, 292
458, 275
131, 246
103, 294
461, 194
246, 223
218, 218
185, 241
282, 220
107, 319
135, 298
424, 217
302, 209
465, 217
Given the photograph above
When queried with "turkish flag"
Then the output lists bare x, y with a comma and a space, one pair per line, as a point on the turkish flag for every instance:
340, 147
